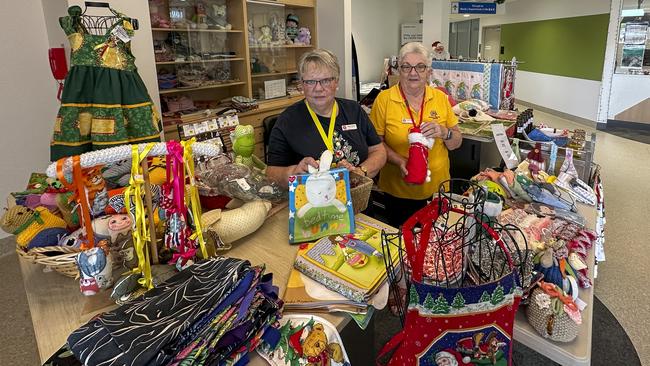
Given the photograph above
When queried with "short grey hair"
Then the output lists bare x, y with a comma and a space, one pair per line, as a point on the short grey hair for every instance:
321, 58
415, 47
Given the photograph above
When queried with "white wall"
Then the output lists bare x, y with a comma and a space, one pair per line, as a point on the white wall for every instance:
27, 95
436, 22
577, 97
627, 91
334, 33
376, 27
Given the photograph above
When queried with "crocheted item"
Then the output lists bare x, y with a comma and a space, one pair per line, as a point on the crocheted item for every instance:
237, 223
26, 224
547, 316
417, 164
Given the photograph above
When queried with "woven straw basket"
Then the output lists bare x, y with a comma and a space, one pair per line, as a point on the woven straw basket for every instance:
61, 259
360, 192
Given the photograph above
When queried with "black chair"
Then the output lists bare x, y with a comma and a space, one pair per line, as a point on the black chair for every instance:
268, 124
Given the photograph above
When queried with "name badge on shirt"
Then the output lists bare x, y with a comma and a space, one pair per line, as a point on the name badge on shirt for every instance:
407, 120
350, 127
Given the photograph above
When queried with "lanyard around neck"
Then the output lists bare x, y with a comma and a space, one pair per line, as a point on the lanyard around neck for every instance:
408, 108
327, 139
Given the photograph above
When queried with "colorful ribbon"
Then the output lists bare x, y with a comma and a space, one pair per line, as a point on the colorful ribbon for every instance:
554, 292
140, 227
193, 194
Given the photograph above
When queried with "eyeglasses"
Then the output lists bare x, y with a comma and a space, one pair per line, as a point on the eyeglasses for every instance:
406, 68
323, 82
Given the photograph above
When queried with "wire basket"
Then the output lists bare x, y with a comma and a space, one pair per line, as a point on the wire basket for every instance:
59, 258
461, 252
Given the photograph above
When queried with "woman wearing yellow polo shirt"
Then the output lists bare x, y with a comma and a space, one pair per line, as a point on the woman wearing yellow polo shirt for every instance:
408, 104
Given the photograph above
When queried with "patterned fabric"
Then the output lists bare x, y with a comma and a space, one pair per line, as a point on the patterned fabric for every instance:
474, 80
104, 101
136, 333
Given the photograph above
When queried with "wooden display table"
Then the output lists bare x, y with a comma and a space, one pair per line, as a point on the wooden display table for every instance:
58, 308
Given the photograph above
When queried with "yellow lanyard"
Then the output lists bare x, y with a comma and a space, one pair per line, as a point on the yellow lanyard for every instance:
327, 139
140, 231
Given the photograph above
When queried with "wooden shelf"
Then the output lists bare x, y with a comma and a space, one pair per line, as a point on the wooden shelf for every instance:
200, 62
283, 46
180, 90
262, 75
196, 30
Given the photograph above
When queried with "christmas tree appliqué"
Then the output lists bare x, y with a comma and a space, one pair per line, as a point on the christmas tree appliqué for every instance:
497, 295
414, 298
428, 302
459, 301
441, 305
485, 297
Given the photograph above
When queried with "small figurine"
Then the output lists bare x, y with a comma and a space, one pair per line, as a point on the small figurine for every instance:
251, 33
265, 37
304, 37
219, 17
292, 27
201, 16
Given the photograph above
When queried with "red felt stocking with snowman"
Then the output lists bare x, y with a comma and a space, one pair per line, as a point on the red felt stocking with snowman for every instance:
417, 164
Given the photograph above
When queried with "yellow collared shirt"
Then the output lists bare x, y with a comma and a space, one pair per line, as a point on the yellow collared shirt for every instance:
392, 120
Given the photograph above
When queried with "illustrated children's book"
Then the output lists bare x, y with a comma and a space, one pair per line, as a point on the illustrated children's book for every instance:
352, 264
320, 203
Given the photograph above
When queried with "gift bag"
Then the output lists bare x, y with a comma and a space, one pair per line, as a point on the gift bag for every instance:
320, 203
458, 325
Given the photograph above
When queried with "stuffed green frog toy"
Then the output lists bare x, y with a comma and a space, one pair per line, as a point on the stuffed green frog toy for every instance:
243, 145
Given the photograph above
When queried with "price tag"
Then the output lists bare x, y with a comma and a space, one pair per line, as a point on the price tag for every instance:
121, 33
243, 184
501, 140
232, 120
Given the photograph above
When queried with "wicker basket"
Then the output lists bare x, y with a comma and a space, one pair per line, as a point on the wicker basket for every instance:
360, 192
60, 259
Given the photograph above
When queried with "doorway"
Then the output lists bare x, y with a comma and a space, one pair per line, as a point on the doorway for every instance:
463, 39
491, 49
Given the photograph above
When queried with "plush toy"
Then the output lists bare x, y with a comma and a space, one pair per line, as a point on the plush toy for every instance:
251, 33
200, 16
320, 187
219, 17
304, 36
243, 145
234, 224
417, 164
277, 31
291, 29
265, 37
33, 228
96, 269
109, 227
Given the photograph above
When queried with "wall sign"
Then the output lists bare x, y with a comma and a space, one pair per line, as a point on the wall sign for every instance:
473, 8
411, 33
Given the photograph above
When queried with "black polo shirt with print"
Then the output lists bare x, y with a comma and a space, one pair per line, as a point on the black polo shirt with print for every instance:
295, 136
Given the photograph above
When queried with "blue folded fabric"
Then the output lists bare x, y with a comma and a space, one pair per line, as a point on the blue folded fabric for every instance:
537, 135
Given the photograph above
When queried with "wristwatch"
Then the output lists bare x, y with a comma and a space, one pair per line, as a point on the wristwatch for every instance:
364, 170
448, 134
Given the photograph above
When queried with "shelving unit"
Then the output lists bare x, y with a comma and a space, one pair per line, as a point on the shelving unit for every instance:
191, 31
178, 90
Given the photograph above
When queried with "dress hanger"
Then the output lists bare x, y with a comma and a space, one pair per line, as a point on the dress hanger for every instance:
101, 24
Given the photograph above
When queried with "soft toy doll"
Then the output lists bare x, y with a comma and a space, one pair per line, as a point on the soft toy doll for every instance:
304, 36
219, 18
33, 228
291, 29
418, 160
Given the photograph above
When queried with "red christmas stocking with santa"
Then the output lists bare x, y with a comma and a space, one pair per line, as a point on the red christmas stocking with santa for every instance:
418, 160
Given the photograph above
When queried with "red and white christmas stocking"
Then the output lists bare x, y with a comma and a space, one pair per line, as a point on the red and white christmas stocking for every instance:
418, 160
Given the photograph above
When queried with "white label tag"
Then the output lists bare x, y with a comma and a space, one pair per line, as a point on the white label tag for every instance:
243, 184
188, 130
501, 140
121, 33
350, 127
213, 125
407, 120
